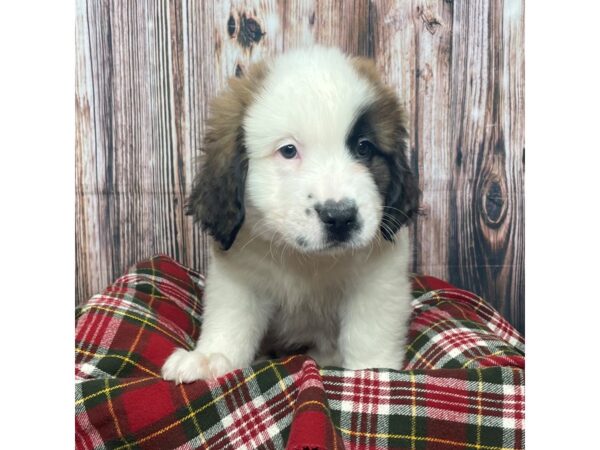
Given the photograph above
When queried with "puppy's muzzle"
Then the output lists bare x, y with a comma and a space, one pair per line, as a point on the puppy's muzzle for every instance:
339, 218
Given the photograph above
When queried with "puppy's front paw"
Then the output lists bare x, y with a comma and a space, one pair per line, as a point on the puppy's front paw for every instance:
185, 366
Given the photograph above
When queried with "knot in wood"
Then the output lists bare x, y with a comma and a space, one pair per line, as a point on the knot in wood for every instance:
250, 31
239, 72
493, 202
431, 20
231, 26
426, 73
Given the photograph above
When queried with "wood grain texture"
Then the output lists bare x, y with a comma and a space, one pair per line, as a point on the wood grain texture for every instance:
146, 70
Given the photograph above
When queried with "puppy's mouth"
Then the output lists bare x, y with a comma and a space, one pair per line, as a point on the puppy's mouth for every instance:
329, 246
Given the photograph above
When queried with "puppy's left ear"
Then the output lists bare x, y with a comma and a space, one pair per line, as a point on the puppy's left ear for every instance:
402, 198
217, 197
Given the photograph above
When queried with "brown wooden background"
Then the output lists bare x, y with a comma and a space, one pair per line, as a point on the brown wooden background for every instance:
146, 70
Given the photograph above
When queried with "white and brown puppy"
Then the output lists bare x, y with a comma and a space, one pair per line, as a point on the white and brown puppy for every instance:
305, 187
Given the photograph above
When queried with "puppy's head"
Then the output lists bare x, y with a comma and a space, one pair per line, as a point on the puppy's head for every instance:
307, 150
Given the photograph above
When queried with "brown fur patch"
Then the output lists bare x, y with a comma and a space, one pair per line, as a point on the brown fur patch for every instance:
390, 168
217, 197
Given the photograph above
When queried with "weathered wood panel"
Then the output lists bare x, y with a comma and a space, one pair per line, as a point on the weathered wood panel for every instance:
146, 70
459, 67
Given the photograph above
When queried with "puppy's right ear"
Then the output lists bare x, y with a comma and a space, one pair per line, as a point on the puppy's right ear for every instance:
217, 197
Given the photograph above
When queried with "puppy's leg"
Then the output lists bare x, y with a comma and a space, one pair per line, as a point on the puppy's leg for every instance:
234, 322
374, 325
326, 356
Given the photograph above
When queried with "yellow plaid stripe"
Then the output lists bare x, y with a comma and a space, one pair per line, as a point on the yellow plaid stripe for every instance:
137, 319
189, 408
208, 404
138, 334
284, 389
124, 358
413, 390
113, 415
423, 439
110, 389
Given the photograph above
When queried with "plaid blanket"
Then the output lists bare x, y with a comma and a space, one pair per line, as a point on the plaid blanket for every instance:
462, 387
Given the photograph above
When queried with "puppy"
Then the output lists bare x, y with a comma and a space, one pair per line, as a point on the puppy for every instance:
305, 188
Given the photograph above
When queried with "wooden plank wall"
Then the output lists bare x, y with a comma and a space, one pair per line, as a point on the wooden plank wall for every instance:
146, 70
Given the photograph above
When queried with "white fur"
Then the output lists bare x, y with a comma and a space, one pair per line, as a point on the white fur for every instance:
350, 303
310, 99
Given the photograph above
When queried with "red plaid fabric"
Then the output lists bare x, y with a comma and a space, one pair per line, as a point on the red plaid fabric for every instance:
462, 387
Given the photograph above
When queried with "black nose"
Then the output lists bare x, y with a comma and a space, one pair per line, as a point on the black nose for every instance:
340, 218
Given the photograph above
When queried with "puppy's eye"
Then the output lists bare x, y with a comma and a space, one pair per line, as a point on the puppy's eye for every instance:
288, 151
364, 149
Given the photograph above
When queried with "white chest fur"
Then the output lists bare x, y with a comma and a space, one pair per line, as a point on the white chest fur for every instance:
305, 295
353, 310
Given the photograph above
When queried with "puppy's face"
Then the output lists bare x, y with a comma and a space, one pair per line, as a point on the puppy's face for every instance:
308, 151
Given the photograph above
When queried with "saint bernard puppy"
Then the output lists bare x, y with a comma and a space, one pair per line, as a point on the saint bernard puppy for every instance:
305, 187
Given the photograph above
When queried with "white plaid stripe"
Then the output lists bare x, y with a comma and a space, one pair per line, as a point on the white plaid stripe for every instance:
83, 421
455, 392
94, 328
448, 340
191, 444
256, 431
355, 388
89, 370
182, 298
461, 344
493, 320
122, 308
